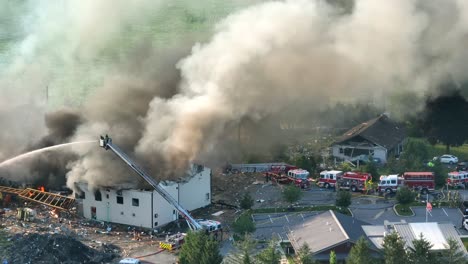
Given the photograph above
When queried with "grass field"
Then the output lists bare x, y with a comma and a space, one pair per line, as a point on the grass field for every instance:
465, 242
461, 152
403, 210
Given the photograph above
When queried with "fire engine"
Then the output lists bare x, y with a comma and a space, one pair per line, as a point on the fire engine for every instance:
421, 181
354, 181
328, 178
457, 179
299, 177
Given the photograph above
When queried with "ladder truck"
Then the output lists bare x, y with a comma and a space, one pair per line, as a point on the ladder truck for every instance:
208, 225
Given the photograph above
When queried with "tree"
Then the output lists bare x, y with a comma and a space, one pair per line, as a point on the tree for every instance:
371, 168
306, 162
269, 255
445, 118
303, 255
453, 254
199, 248
243, 225
394, 249
332, 257
246, 202
360, 253
420, 254
405, 196
245, 248
343, 199
292, 193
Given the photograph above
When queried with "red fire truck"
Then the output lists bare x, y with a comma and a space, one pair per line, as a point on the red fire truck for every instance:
457, 179
421, 181
328, 178
354, 181
299, 177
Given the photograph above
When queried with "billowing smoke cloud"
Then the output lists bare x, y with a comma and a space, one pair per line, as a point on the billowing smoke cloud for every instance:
278, 60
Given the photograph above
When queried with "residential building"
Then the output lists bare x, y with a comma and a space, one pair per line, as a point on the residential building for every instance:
145, 207
329, 231
437, 234
379, 138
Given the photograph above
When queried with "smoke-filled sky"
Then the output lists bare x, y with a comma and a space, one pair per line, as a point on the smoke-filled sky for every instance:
168, 103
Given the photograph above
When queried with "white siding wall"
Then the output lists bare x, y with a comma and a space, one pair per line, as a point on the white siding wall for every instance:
196, 192
153, 210
381, 153
165, 212
110, 211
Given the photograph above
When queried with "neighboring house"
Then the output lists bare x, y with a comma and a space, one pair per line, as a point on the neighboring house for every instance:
326, 232
437, 234
146, 208
378, 138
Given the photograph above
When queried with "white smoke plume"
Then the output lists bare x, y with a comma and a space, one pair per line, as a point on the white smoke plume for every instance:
279, 59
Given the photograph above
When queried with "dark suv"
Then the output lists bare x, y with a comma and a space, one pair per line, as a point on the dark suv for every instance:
462, 166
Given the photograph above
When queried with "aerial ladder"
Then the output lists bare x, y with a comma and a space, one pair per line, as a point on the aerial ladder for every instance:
106, 143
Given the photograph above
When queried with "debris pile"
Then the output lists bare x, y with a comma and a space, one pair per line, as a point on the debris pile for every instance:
57, 248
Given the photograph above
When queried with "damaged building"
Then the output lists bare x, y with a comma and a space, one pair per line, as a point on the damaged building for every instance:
146, 207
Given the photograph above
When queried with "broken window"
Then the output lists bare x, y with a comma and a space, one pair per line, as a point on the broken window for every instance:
120, 200
80, 195
135, 202
97, 196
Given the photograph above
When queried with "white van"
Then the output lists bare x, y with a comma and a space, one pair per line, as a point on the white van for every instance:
130, 261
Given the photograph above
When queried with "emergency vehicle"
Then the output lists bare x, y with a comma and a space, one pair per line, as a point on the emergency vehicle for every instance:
390, 183
300, 177
421, 181
354, 181
457, 178
328, 178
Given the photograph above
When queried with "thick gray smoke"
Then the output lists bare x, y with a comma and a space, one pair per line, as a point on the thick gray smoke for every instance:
278, 60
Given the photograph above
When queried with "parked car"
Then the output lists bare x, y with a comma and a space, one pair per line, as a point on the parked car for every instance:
448, 159
462, 166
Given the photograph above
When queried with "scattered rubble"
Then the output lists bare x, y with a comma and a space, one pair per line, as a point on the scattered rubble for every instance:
57, 248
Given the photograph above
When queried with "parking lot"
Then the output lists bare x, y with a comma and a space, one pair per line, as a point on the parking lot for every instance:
372, 210
277, 225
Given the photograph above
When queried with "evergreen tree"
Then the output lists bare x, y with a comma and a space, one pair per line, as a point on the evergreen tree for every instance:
453, 254
394, 249
292, 193
243, 225
420, 254
405, 196
360, 253
245, 248
303, 255
246, 202
343, 199
269, 255
199, 248
332, 257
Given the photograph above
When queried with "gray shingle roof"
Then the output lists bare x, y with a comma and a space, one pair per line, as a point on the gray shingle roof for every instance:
327, 230
380, 130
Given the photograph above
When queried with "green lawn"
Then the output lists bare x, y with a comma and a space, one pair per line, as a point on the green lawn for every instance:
461, 152
465, 242
404, 210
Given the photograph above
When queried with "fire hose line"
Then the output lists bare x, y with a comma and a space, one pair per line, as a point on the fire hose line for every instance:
151, 254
